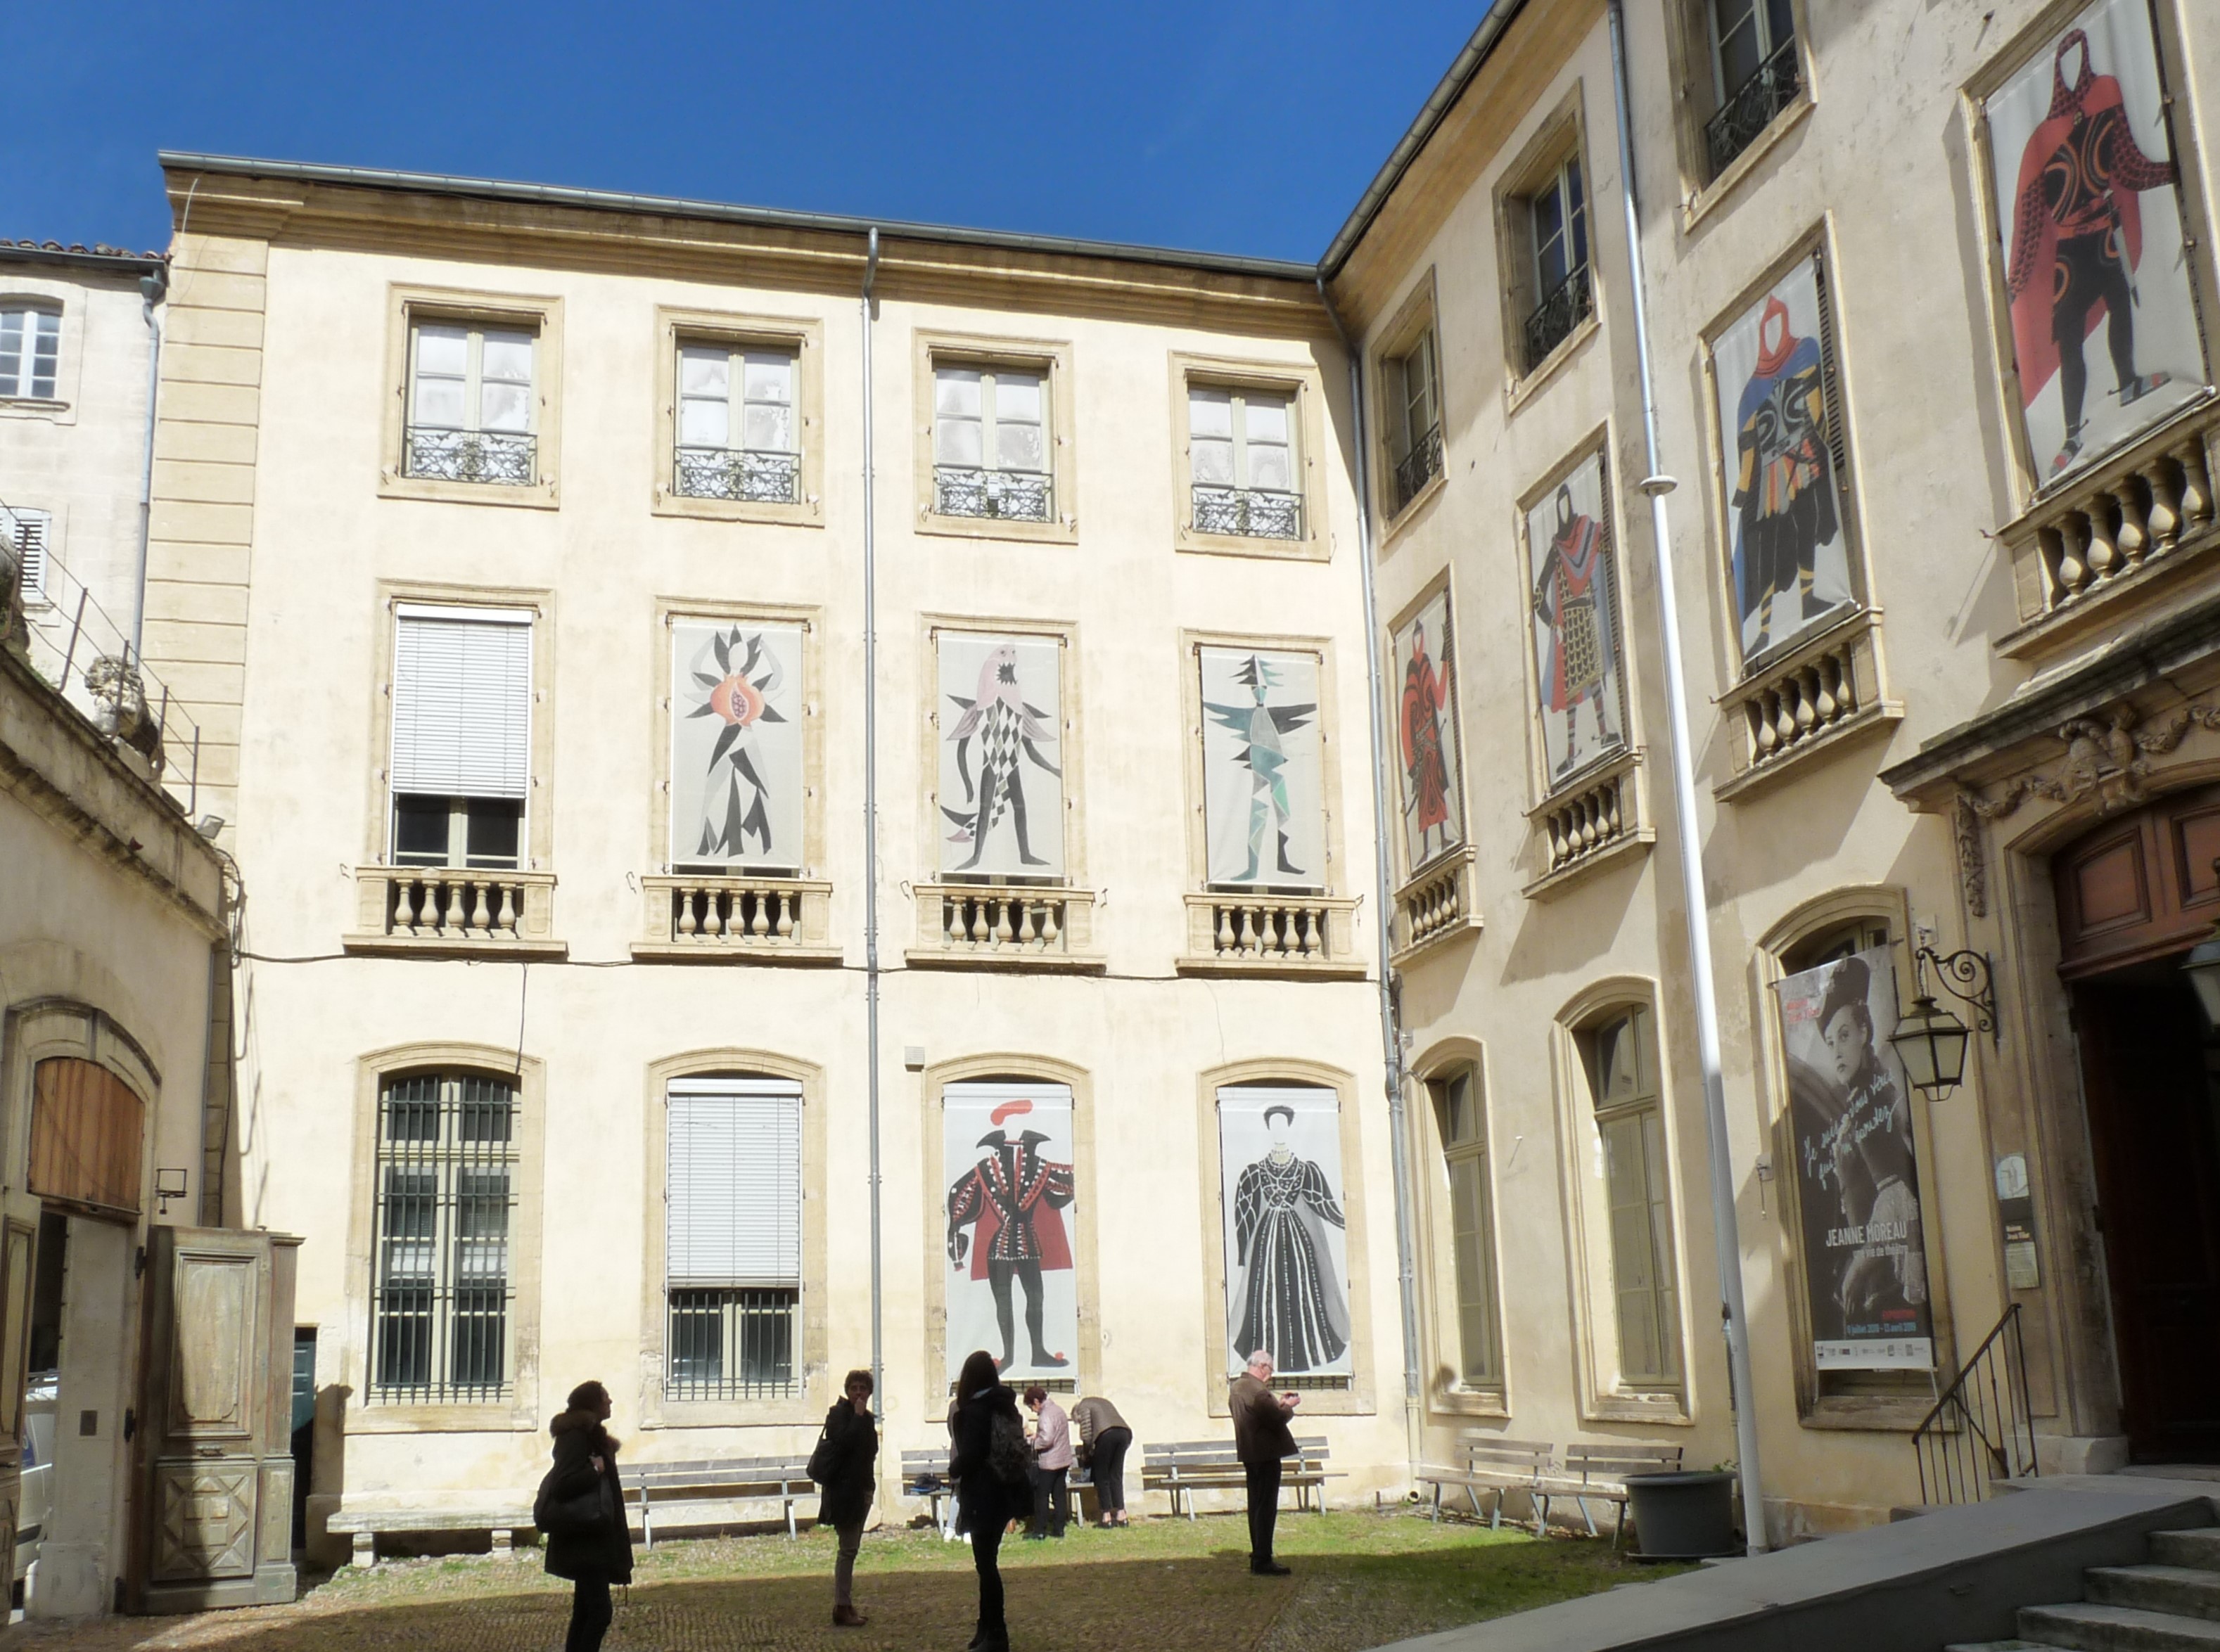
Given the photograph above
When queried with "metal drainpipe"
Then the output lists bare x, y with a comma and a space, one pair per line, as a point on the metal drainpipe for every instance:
1391, 1035
152, 287
871, 828
1726, 1236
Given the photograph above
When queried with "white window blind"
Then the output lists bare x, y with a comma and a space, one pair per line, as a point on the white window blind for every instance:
31, 531
733, 1182
462, 702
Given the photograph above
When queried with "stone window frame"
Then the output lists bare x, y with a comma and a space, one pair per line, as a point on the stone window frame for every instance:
1086, 1269
406, 305
814, 1377
1562, 135
1360, 1398
675, 326
1052, 358
1439, 1283
20, 288
521, 1413
1888, 905
1301, 382
1689, 61
1603, 1395
44, 1028
1418, 314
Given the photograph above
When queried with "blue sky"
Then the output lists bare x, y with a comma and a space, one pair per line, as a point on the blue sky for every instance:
1241, 129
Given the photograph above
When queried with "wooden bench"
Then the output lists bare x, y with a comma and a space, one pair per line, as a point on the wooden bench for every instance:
1189, 1466
925, 1474
504, 1521
1600, 1472
653, 1485
1488, 1463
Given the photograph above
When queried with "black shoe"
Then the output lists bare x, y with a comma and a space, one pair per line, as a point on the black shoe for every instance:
1267, 1568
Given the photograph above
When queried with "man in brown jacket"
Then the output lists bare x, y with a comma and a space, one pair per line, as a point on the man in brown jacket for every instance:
1261, 1439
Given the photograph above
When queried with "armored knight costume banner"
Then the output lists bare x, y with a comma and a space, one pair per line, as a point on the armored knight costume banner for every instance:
1427, 735
2090, 223
1286, 1240
736, 722
1574, 603
1790, 562
1012, 1223
1001, 755
1263, 777
1857, 1175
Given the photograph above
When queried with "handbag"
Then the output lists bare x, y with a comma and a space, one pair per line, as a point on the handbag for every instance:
1009, 1453
573, 1516
825, 1459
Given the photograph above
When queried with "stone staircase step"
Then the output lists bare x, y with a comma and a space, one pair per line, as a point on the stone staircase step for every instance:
2187, 1590
2199, 1549
2092, 1627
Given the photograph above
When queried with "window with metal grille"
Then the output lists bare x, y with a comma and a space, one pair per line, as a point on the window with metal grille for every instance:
1414, 418
1754, 73
732, 1238
1241, 453
1559, 222
1458, 1108
441, 1291
30, 352
738, 433
990, 443
473, 409
1621, 1055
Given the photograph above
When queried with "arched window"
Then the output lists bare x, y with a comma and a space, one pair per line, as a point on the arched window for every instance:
1619, 1053
1460, 1112
30, 349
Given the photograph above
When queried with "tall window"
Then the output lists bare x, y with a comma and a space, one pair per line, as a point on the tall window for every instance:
29, 533
1621, 1062
472, 404
445, 1189
1241, 454
990, 443
736, 434
1754, 73
30, 351
1414, 422
1458, 1109
462, 735
732, 1238
1559, 223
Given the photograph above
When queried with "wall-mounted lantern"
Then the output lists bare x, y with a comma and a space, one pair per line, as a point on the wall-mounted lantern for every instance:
168, 1185
1930, 1040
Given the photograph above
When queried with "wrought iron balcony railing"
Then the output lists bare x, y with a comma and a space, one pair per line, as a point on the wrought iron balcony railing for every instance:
1007, 496
1555, 317
1418, 467
1254, 512
1750, 106
753, 479
502, 458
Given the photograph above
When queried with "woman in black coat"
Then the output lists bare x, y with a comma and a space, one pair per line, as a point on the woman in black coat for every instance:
851, 1434
984, 1500
596, 1556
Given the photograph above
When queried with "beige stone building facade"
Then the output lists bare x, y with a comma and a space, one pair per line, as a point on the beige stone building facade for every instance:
511, 546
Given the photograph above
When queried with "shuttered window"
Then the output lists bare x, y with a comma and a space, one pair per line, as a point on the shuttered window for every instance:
462, 702
87, 1127
1622, 1061
31, 534
732, 1250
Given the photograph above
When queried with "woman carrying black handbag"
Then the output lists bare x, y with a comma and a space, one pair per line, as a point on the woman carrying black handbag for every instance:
580, 1511
845, 1465
992, 1466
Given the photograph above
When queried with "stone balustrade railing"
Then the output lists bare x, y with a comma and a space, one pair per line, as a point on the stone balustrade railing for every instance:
1589, 822
690, 916
1435, 904
1003, 925
1831, 685
1269, 933
442, 908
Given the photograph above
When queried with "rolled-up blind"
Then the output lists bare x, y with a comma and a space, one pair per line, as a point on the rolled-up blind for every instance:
462, 701
733, 1182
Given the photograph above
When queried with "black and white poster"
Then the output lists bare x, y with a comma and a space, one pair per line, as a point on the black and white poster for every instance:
1857, 1173
1012, 1217
1286, 1240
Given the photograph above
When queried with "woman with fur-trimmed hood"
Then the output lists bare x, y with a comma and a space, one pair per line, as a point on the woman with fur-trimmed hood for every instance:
594, 1555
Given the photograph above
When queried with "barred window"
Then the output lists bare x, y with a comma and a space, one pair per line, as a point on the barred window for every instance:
442, 1292
732, 1250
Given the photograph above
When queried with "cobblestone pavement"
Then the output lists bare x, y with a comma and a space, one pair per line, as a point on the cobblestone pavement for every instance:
1360, 1581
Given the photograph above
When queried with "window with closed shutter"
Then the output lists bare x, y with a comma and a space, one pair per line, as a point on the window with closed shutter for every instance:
733, 1237
462, 735
31, 534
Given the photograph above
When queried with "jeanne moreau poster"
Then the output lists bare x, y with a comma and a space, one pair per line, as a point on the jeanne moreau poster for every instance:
1857, 1173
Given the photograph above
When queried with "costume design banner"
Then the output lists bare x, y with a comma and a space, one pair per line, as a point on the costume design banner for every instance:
1433, 793
1791, 560
1286, 1241
1575, 609
1263, 780
1857, 1177
2091, 223
1011, 1221
736, 723
1002, 755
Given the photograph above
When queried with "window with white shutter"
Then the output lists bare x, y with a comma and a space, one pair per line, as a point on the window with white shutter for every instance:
31, 535
30, 352
462, 735
733, 1237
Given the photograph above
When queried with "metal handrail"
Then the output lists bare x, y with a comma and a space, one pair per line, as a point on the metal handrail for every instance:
1982, 1427
1555, 317
1418, 467
1749, 108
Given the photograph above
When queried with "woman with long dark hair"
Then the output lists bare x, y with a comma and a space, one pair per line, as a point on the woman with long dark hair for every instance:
991, 1485
581, 1509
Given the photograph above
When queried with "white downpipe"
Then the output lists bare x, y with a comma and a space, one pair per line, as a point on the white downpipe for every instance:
1391, 1037
1726, 1237
871, 831
151, 290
